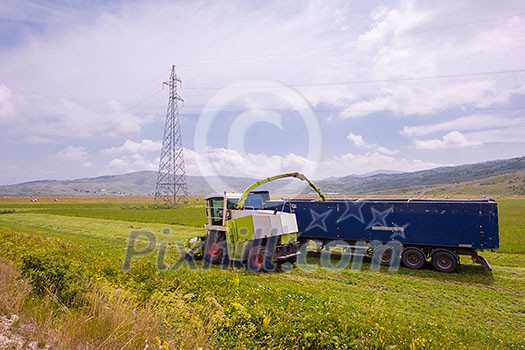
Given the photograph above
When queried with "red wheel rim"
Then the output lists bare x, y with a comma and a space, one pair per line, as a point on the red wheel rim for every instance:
257, 260
214, 249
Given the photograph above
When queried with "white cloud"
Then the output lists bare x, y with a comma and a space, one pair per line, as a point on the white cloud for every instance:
222, 161
72, 153
467, 123
111, 59
453, 139
468, 131
356, 139
233, 163
135, 47
134, 156
349, 163
359, 142
515, 134
129, 146
385, 150
79, 70
489, 46
426, 97
127, 164
40, 117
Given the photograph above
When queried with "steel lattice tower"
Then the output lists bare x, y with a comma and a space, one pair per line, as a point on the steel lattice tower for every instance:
171, 186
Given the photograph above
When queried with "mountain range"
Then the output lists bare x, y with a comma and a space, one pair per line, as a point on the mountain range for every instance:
493, 178
499, 177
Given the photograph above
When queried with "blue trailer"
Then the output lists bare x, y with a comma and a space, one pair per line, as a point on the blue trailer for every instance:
252, 228
439, 230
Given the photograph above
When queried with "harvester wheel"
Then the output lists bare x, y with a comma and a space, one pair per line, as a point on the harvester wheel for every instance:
214, 250
259, 260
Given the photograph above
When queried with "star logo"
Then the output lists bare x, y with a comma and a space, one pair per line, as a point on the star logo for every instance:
353, 209
399, 232
318, 220
379, 217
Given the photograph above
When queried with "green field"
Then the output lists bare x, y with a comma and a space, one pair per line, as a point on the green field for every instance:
69, 286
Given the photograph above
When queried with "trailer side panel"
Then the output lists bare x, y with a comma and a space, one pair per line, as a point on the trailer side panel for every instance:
451, 223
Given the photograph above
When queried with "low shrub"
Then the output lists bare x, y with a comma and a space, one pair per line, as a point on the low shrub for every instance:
55, 277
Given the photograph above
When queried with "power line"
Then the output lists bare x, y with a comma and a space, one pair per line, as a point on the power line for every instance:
449, 26
428, 77
398, 110
369, 81
116, 120
144, 85
291, 52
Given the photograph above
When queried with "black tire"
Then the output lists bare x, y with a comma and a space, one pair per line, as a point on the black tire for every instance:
413, 258
383, 255
214, 249
287, 263
259, 260
444, 261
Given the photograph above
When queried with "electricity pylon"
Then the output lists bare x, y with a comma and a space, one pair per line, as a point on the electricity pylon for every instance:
171, 188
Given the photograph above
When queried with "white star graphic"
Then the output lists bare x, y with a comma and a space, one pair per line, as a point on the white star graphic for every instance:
400, 233
318, 220
379, 217
353, 210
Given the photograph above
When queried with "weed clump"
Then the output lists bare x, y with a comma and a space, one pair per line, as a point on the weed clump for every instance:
54, 277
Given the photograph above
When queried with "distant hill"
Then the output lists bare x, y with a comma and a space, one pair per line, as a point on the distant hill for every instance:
378, 172
140, 183
511, 184
500, 177
423, 181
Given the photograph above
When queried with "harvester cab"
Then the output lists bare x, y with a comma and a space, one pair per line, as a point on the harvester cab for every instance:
219, 207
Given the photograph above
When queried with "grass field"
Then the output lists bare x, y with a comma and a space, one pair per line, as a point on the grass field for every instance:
69, 286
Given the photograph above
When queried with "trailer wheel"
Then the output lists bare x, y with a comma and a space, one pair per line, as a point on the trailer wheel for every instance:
259, 259
413, 258
444, 261
383, 255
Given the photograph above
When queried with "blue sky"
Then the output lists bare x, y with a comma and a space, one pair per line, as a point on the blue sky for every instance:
330, 88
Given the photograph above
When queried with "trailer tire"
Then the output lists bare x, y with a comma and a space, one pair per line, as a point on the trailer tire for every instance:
445, 261
413, 258
383, 255
259, 259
